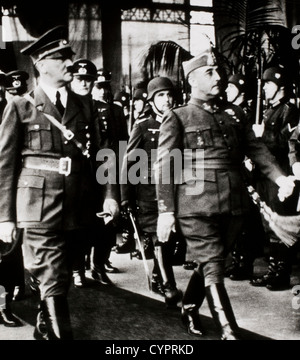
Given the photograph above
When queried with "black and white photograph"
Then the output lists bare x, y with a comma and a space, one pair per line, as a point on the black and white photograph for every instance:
149, 173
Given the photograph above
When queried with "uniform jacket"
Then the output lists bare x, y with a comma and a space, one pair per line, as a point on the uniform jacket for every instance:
223, 137
144, 136
45, 199
280, 121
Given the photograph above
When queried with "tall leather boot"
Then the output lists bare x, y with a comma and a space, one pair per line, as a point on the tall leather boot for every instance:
221, 311
191, 303
7, 318
40, 330
57, 318
172, 294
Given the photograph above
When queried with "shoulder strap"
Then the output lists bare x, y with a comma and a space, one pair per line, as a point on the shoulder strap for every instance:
68, 134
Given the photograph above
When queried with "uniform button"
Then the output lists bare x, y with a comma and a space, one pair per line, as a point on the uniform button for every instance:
229, 148
88, 136
221, 122
103, 117
25, 183
37, 126
152, 139
153, 132
66, 142
225, 136
87, 127
272, 123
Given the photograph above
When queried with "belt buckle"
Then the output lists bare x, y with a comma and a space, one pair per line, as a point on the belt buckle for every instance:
64, 167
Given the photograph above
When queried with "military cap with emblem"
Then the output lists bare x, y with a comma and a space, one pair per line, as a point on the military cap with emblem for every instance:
205, 58
103, 77
15, 82
51, 45
275, 74
238, 80
85, 67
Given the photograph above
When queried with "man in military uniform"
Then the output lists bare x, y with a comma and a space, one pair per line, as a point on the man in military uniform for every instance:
84, 75
211, 199
112, 127
249, 245
144, 136
47, 180
279, 121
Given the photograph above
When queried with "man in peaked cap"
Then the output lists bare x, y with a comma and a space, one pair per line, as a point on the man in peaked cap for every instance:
85, 73
209, 204
48, 143
280, 119
16, 82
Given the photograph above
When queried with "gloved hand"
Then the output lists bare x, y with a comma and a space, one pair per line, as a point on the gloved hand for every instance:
258, 129
7, 231
112, 207
296, 170
286, 186
165, 224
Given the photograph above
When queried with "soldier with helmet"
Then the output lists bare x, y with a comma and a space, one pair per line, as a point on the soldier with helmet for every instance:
280, 118
142, 196
209, 205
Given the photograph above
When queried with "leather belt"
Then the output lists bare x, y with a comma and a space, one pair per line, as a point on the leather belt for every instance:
216, 164
62, 165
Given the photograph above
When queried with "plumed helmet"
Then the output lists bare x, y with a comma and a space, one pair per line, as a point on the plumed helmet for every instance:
158, 84
275, 74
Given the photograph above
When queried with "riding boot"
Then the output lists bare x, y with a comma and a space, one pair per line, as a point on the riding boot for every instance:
172, 294
57, 318
221, 311
191, 303
156, 280
7, 318
40, 330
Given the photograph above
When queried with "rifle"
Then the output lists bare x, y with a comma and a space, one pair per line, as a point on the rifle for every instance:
130, 102
137, 235
259, 92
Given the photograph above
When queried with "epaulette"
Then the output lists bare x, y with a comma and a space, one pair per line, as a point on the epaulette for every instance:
141, 120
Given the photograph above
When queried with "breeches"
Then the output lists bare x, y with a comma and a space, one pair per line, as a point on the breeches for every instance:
48, 258
209, 240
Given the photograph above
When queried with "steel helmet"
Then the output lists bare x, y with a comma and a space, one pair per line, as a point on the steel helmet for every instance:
158, 84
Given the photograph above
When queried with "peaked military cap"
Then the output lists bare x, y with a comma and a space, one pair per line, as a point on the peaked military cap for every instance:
275, 74
238, 80
49, 44
103, 76
85, 67
205, 58
15, 82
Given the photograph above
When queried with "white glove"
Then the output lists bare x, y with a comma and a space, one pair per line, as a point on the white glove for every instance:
7, 231
165, 224
248, 165
258, 129
112, 207
296, 170
286, 186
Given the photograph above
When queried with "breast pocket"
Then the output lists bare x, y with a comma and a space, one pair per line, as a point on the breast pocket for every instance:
199, 137
39, 136
30, 195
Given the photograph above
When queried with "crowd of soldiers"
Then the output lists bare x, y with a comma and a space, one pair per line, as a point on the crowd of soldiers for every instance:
53, 211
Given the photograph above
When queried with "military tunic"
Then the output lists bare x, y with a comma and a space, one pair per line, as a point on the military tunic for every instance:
52, 208
209, 203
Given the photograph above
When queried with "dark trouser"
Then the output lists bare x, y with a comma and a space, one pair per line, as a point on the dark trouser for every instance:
12, 270
102, 242
48, 257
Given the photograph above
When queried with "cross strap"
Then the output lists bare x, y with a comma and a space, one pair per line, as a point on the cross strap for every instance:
68, 134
